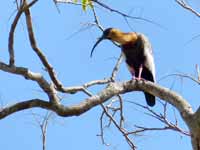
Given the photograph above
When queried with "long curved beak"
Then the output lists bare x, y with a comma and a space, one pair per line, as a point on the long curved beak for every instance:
95, 45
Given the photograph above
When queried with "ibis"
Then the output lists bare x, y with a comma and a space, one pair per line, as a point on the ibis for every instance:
138, 55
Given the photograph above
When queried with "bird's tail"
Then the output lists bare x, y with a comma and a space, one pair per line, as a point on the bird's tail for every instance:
150, 99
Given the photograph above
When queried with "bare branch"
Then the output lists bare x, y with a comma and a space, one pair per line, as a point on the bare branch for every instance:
21, 9
46, 87
124, 14
68, 2
198, 72
11, 36
102, 129
120, 88
42, 57
43, 126
96, 20
122, 130
187, 7
145, 129
24, 105
112, 10
185, 76
168, 125
121, 111
75, 89
116, 68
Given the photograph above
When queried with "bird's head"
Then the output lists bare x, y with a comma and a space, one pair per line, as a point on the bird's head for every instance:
115, 35
109, 34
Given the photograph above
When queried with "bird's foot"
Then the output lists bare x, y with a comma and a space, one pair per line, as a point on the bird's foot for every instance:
138, 79
133, 78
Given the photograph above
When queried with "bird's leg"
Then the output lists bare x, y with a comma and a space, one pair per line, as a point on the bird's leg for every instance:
140, 72
132, 70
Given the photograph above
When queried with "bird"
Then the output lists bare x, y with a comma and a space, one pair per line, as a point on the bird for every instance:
138, 55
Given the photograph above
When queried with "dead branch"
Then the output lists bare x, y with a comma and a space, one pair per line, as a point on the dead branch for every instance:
116, 68
122, 130
182, 75
111, 90
39, 53
8, 110
121, 111
37, 77
102, 129
96, 20
11, 36
162, 117
21, 9
75, 89
43, 126
103, 5
187, 7
198, 71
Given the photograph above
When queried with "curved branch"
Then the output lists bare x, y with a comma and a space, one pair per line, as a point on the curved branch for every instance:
120, 88
168, 95
11, 36
23, 105
26, 73
123, 87
12, 30
41, 56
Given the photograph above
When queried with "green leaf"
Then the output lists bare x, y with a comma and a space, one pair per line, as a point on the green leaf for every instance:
75, 1
90, 4
84, 4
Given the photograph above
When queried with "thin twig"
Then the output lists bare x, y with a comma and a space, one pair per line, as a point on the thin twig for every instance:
43, 126
198, 72
121, 111
187, 7
125, 15
68, 2
161, 117
122, 130
74, 89
102, 129
96, 20
183, 76
116, 68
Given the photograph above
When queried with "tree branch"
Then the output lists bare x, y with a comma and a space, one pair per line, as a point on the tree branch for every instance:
11, 36
46, 87
75, 89
120, 88
131, 144
42, 57
116, 68
23, 105
187, 7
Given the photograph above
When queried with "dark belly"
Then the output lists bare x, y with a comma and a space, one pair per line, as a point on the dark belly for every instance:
134, 53
133, 58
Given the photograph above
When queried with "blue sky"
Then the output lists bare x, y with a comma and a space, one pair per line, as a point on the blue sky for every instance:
69, 54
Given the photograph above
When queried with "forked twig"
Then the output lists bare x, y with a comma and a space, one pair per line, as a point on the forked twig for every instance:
122, 130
